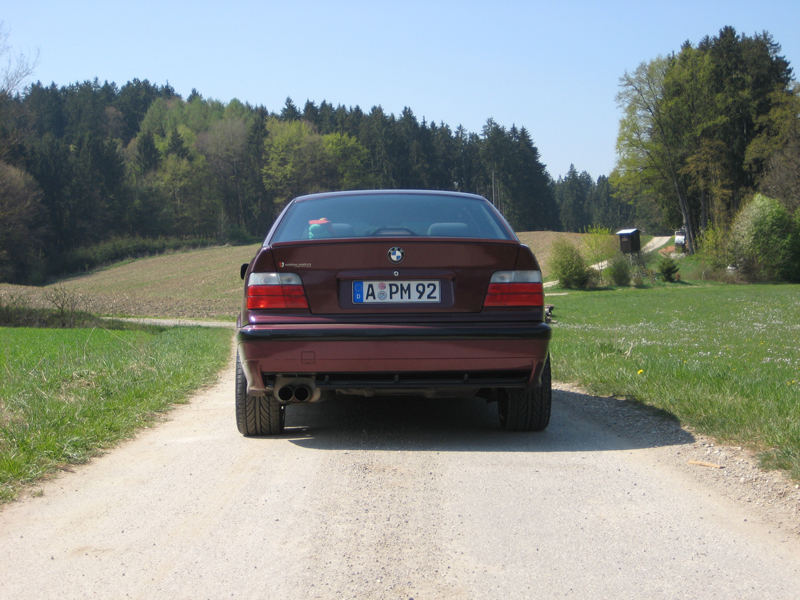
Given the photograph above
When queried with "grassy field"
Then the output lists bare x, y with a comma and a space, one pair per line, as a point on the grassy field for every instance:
723, 359
65, 394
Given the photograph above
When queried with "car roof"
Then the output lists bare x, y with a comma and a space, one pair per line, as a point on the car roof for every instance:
389, 192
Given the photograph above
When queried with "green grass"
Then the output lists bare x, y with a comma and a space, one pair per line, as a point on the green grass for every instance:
66, 394
723, 359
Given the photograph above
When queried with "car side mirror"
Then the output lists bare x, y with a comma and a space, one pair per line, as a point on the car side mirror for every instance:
243, 270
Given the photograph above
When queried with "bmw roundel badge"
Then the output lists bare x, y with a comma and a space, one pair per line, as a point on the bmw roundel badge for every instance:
396, 254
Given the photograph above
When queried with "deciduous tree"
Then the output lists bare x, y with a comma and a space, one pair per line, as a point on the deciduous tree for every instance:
699, 127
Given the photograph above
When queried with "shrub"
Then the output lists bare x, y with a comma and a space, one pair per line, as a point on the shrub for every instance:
568, 265
66, 305
17, 311
640, 274
667, 268
121, 248
715, 247
239, 236
619, 270
764, 240
600, 244
12, 308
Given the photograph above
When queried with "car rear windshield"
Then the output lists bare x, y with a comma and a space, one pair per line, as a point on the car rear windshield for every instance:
390, 215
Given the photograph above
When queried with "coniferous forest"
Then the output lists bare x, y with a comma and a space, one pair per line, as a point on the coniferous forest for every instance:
92, 172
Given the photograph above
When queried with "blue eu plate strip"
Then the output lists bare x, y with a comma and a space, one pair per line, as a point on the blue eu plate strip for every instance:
358, 292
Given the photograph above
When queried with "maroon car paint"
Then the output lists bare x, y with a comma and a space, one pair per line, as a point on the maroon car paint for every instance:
335, 336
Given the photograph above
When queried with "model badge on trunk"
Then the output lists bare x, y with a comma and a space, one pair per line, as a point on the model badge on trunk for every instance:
396, 254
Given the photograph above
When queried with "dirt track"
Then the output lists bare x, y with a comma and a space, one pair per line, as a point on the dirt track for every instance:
406, 498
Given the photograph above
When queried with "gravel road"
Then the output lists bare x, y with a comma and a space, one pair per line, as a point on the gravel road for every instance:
408, 498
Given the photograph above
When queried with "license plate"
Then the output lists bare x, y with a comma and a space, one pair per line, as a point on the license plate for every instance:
412, 292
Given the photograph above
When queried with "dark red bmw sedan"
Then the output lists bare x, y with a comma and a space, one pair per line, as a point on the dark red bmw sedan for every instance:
392, 292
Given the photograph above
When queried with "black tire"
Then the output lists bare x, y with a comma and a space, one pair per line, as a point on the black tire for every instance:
256, 415
528, 409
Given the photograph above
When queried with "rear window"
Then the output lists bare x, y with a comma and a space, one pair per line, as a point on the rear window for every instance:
376, 215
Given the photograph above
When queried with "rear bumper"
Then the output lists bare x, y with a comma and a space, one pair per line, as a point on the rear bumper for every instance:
403, 356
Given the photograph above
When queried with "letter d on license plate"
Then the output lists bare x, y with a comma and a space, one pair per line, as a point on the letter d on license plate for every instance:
411, 292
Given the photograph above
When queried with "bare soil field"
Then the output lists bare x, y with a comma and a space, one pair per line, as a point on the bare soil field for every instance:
199, 284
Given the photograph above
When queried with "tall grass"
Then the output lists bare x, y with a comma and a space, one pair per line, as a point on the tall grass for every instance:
724, 359
65, 394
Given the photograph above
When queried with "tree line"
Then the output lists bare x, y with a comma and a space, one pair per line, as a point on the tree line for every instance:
92, 165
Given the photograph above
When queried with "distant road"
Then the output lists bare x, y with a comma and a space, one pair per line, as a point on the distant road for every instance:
656, 242
405, 498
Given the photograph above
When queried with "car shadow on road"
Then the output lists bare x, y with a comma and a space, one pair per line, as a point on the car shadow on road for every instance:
579, 423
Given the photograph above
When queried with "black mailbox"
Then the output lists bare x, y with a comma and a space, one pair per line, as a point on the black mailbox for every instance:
629, 241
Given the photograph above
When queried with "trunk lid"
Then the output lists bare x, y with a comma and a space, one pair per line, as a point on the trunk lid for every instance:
430, 276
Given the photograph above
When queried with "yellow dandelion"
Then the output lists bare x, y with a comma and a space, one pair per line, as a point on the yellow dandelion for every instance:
640, 371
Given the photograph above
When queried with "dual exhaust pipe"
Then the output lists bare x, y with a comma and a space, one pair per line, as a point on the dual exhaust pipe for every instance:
296, 389
290, 393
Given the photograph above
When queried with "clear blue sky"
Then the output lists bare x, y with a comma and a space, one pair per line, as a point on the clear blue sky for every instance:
552, 67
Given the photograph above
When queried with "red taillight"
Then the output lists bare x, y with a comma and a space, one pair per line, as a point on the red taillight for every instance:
515, 288
276, 296
514, 294
275, 291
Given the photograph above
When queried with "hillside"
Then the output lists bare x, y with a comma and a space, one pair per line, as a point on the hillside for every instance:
194, 284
